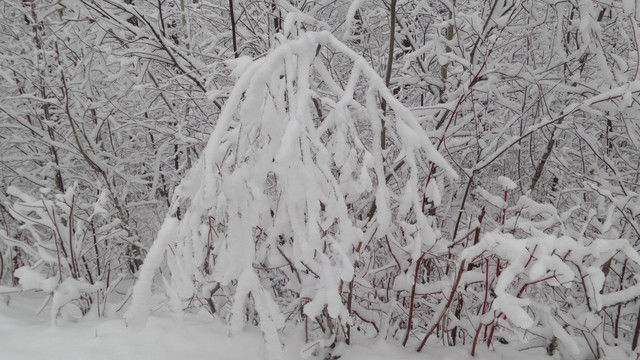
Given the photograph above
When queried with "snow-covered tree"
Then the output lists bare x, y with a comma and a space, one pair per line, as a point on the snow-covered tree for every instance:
294, 195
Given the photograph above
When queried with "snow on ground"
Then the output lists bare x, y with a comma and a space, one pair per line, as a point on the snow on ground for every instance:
25, 334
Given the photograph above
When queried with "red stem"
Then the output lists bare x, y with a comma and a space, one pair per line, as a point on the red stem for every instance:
413, 295
484, 309
367, 321
392, 254
531, 256
493, 328
504, 210
486, 290
475, 339
447, 306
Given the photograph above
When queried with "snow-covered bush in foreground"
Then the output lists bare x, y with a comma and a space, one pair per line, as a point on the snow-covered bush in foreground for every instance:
298, 182
542, 280
63, 249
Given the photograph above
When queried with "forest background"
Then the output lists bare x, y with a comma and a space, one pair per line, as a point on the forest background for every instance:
455, 172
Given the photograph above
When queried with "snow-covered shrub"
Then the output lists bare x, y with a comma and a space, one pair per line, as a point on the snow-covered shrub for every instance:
77, 106
65, 250
299, 193
539, 279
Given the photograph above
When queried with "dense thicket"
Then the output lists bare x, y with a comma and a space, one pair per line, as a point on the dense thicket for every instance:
462, 172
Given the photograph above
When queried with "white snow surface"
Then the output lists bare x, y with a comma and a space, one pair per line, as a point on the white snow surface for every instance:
27, 334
